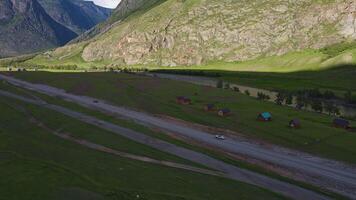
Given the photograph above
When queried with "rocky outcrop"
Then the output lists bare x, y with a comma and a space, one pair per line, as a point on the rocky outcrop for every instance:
178, 32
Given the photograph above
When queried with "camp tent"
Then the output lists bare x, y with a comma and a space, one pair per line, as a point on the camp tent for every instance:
341, 123
183, 100
224, 112
265, 116
295, 123
209, 107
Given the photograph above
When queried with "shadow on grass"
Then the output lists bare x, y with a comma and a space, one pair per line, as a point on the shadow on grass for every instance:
339, 78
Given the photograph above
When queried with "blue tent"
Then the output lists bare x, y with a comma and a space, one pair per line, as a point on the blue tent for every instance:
266, 116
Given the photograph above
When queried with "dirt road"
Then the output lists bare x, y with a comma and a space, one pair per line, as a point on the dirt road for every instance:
338, 174
230, 171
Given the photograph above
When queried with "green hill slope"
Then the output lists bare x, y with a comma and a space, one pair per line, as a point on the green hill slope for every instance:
200, 32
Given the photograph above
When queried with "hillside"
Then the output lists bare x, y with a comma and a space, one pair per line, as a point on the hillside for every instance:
77, 15
28, 26
175, 33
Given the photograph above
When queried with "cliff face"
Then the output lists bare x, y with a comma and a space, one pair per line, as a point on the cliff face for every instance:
26, 26
194, 32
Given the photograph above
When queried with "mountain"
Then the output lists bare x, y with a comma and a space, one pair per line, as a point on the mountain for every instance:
77, 15
196, 32
27, 26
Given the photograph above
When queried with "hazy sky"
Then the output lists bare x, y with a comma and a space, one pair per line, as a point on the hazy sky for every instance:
107, 3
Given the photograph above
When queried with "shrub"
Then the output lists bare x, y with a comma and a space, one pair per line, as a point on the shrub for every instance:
317, 105
262, 96
219, 84
236, 89
280, 97
329, 95
289, 99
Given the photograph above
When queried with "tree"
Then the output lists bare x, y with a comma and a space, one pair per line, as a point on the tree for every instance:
280, 98
219, 84
289, 99
317, 105
329, 107
236, 89
262, 96
348, 96
336, 111
247, 92
267, 97
227, 86
300, 101
329, 94
314, 93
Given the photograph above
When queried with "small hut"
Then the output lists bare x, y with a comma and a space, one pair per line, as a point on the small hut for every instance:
209, 107
265, 116
183, 100
224, 112
295, 123
341, 123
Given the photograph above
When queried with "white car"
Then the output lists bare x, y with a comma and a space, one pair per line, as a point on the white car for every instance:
220, 137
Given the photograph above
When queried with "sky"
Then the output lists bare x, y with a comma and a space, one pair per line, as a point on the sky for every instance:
107, 3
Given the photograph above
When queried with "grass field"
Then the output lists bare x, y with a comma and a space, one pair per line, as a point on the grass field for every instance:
158, 96
338, 79
108, 139
38, 165
330, 68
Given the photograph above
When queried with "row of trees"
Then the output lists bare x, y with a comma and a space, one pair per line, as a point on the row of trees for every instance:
35, 66
75, 67
190, 72
314, 99
317, 101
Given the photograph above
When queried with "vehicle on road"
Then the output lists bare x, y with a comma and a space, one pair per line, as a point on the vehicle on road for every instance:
220, 137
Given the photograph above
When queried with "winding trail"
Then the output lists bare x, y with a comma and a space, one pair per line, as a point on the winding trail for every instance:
230, 171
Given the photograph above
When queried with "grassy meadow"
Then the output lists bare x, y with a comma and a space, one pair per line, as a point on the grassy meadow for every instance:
43, 166
337, 79
157, 96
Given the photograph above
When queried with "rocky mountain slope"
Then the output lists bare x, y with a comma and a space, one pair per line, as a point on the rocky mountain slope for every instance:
26, 26
195, 32
77, 15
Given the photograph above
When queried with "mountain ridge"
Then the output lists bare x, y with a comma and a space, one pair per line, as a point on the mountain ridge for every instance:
27, 27
29, 20
76, 15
